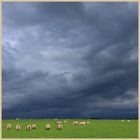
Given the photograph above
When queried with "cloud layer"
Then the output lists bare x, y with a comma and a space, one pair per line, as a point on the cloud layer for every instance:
70, 60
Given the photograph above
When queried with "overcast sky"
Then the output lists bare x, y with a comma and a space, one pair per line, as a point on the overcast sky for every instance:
69, 60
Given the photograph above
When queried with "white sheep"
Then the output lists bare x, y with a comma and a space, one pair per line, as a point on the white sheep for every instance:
122, 120
58, 122
48, 126
87, 122
82, 123
75, 122
8, 126
17, 118
128, 120
29, 127
18, 127
33, 126
60, 126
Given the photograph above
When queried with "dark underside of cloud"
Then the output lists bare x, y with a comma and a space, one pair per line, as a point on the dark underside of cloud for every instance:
70, 60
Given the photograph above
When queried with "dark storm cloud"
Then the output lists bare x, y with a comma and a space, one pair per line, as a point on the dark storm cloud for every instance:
70, 60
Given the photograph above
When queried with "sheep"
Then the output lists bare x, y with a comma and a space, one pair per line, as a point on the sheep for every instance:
82, 123
122, 120
58, 122
87, 122
75, 122
59, 126
48, 126
8, 126
65, 121
17, 127
128, 120
29, 127
33, 126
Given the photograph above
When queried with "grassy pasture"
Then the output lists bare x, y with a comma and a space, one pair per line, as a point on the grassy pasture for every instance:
96, 129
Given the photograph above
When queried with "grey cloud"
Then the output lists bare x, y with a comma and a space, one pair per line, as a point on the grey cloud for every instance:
70, 59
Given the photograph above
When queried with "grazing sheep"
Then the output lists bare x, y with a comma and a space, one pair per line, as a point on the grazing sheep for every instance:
55, 119
17, 127
87, 122
17, 118
29, 127
58, 122
65, 121
33, 126
128, 120
8, 126
59, 126
48, 126
82, 123
122, 120
75, 122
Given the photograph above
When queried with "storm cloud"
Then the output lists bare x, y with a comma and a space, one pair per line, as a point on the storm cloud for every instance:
70, 60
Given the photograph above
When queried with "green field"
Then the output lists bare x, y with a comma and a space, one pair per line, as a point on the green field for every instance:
96, 129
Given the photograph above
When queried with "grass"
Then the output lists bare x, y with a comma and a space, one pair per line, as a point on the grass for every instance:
96, 129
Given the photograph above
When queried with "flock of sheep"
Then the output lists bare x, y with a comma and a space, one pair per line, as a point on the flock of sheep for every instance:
126, 120
59, 125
